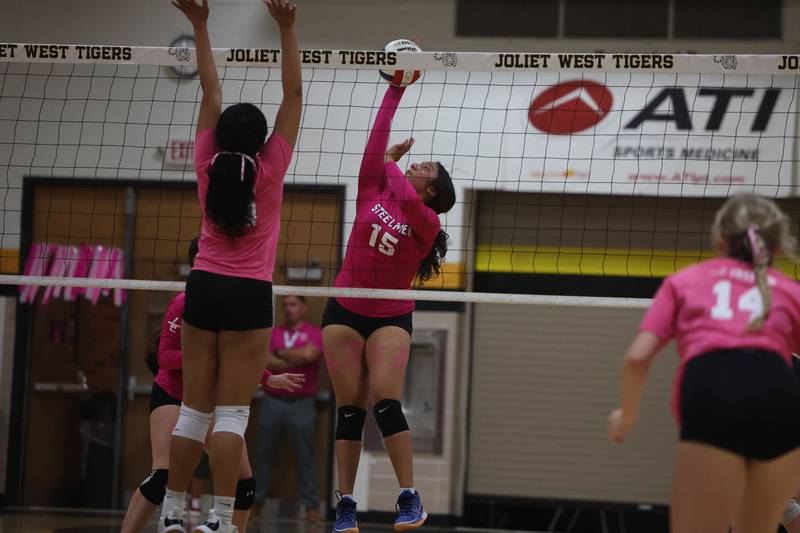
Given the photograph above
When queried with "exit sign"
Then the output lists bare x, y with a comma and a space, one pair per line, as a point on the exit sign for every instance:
179, 154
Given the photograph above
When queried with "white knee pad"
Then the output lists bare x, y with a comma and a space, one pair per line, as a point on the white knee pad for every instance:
192, 424
790, 513
231, 419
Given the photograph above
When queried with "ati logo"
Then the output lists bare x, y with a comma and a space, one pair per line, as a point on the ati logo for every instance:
578, 105
671, 105
570, 107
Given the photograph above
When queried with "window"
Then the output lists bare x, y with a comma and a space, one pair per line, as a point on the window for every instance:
507, 18
622, 19
626, 19
728, 19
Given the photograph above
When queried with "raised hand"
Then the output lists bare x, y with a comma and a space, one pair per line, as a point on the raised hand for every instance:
282, 11
395, 152
288, 382
287, 122
196, 13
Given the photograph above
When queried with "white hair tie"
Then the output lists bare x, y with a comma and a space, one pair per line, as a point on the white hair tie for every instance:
244, 157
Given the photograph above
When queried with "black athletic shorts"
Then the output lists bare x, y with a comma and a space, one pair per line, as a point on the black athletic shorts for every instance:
226, 303
159, 397
364, 325
742, 400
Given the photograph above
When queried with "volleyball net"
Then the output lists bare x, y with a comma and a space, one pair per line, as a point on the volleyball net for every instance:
578, 166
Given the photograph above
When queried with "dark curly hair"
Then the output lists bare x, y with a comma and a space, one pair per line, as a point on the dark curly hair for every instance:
241, 128
441, 202
431, 266
194, 248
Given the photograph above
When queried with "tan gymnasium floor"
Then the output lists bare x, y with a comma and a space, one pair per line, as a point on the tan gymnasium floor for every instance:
57, 522
40, 521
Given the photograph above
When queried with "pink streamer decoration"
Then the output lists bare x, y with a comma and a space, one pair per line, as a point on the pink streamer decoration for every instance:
85, 261
58, 268
99, 270
117, 272
77, 267
36, 265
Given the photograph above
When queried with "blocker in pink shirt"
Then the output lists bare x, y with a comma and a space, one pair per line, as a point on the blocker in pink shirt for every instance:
170, 357
251, 255
170, 376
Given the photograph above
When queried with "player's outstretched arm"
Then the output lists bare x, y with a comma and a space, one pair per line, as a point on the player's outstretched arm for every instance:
211, 104
635, 370
287, 123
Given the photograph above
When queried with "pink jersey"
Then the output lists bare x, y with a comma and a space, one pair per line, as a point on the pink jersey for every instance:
393, 229
284, 338
708, 306
253, 254
170, 376
170, 361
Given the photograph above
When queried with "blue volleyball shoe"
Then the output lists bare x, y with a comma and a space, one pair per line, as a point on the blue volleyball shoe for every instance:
410, 514
345, 515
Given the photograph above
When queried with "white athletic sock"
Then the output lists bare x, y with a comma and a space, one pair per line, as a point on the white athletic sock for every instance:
412, 490
347, 496
174, 502
223, 506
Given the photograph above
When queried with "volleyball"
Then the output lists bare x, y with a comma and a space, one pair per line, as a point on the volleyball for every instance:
401, 78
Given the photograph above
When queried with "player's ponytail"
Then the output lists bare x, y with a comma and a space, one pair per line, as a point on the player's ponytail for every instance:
761, 258
239, 134
753, 229
431, 266
151, 359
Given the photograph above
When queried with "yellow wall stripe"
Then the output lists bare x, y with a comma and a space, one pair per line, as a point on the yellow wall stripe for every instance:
453, 276
635, 262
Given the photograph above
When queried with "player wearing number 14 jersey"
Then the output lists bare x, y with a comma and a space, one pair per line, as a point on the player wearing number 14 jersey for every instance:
396, 237
737, 322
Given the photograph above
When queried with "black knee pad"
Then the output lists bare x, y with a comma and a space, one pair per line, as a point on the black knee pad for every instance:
245, 494
155, 486
390, 418
350, 422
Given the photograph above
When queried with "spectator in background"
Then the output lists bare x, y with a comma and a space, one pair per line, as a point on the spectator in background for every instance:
296, 347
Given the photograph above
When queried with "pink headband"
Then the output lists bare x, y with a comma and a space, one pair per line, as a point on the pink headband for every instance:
760, 255
244, 157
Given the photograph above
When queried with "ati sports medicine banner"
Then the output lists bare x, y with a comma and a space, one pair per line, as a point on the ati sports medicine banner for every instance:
675, 135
